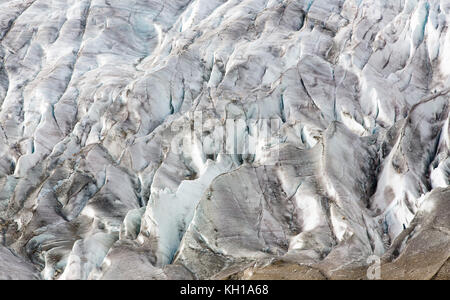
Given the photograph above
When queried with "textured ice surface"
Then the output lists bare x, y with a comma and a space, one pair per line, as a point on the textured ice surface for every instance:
100, 177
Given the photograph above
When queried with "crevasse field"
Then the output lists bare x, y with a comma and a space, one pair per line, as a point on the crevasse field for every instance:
216, 139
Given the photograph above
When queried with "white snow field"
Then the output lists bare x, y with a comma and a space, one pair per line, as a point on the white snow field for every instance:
199, 139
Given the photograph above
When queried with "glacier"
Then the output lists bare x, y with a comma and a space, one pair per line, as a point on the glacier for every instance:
224, 139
